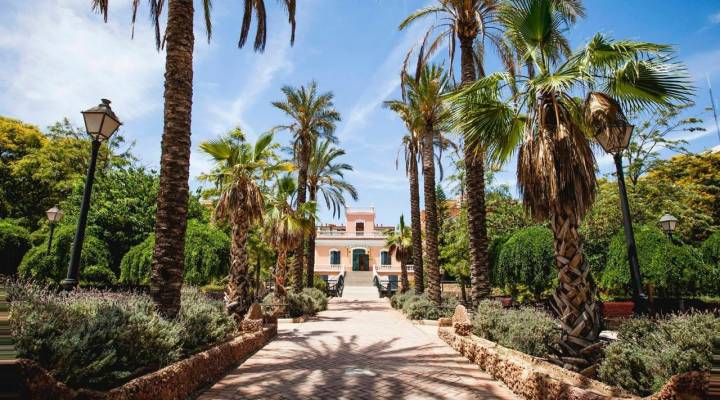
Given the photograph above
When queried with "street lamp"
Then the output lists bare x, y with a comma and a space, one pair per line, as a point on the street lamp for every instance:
100, 124
668, 224
613, 132
54, 215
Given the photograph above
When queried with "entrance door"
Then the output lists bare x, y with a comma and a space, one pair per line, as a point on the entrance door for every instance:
360, 260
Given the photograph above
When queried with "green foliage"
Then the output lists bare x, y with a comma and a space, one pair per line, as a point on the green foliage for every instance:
418, 306
299, 304
672, 269
526, 329
647, 353
319, 298
207, 255
52, 268
398, 299
711, 249
319, 284
454, 246
98, 340
14, 243
527, 260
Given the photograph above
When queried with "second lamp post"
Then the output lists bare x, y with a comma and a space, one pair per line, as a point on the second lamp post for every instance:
100, 123
54, 216
614, 139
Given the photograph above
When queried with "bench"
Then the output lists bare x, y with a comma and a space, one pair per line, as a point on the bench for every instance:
385, 289
335, 287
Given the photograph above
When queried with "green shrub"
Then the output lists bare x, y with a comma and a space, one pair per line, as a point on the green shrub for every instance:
98, 340
527, 261
207, 257
319, 298
320, 284
398, 299
648, 353
711, 249
299, 304
202, 321
526, 329
14, 243
94, 259
672, 269
417, 307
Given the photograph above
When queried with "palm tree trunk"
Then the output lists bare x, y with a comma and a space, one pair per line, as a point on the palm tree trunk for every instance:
415, 224
431, 228
310, 256
301, 196
172, 202
237, 292
475, 187
404, 276
574, 297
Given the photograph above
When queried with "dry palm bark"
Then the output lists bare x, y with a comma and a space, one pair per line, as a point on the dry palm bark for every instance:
415, 223
310, 248
171, 216
237, 292
301, 197
431, 228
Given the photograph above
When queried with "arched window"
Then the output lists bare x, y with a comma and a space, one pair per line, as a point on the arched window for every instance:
385, 258
334, 257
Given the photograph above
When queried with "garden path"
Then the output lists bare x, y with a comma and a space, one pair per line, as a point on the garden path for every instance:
360, 348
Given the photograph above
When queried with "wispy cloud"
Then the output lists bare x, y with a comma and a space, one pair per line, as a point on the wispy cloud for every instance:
704, 64
714, 18
57, 58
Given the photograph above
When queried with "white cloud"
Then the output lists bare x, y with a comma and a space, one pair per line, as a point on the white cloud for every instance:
378, 180
58, 58
704, 64
714, 18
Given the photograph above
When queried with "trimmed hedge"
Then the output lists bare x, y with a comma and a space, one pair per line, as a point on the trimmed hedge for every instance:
99, 340
14, 243
527, 261
672, 269
51, 269
207, 257
648, 353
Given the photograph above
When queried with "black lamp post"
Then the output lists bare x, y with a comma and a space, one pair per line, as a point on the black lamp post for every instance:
668, 224
614, 138
100, 124
54, 215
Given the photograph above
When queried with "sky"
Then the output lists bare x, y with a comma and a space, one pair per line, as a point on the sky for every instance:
57, 58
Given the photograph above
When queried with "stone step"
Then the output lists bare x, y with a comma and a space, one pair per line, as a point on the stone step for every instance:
358, 278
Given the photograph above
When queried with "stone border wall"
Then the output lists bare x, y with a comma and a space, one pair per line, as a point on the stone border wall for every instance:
176, 381
536, 379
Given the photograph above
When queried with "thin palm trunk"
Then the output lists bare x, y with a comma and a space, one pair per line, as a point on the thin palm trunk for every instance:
431, 228
301, 196
310, 257
237, 292
171, 217
404, 276
415, 224
281, 267
574, 297
475, 187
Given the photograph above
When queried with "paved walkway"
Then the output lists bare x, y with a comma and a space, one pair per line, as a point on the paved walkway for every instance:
359, 349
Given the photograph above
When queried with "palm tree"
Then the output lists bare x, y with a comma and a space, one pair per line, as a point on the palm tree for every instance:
411, 150
286, 227
326, 176
472, 23
240, 167
400, 243
425, 95
556, 166
171, 217
313, 116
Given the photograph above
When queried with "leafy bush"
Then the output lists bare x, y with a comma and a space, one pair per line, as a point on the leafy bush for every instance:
14, 243
711, 249
319, 298
299, 304
527, 260
98, 340
94, 260
207, 256
525, 329
416, 306
648, 353
672, 269
398, 299
320, 284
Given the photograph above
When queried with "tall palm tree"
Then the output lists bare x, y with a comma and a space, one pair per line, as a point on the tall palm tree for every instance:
556, 166
425, 94
313, 116
473, 24
326, 176
171, 217
400, 243
285, 226
239, 168
411, 149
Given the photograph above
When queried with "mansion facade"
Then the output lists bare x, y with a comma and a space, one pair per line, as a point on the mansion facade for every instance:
358, 245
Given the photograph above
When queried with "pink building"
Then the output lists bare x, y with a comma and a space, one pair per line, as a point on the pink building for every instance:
359, 245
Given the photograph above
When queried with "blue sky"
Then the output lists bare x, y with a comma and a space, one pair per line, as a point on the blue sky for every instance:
57, 58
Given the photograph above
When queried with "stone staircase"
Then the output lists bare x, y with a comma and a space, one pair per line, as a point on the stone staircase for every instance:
358, 278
